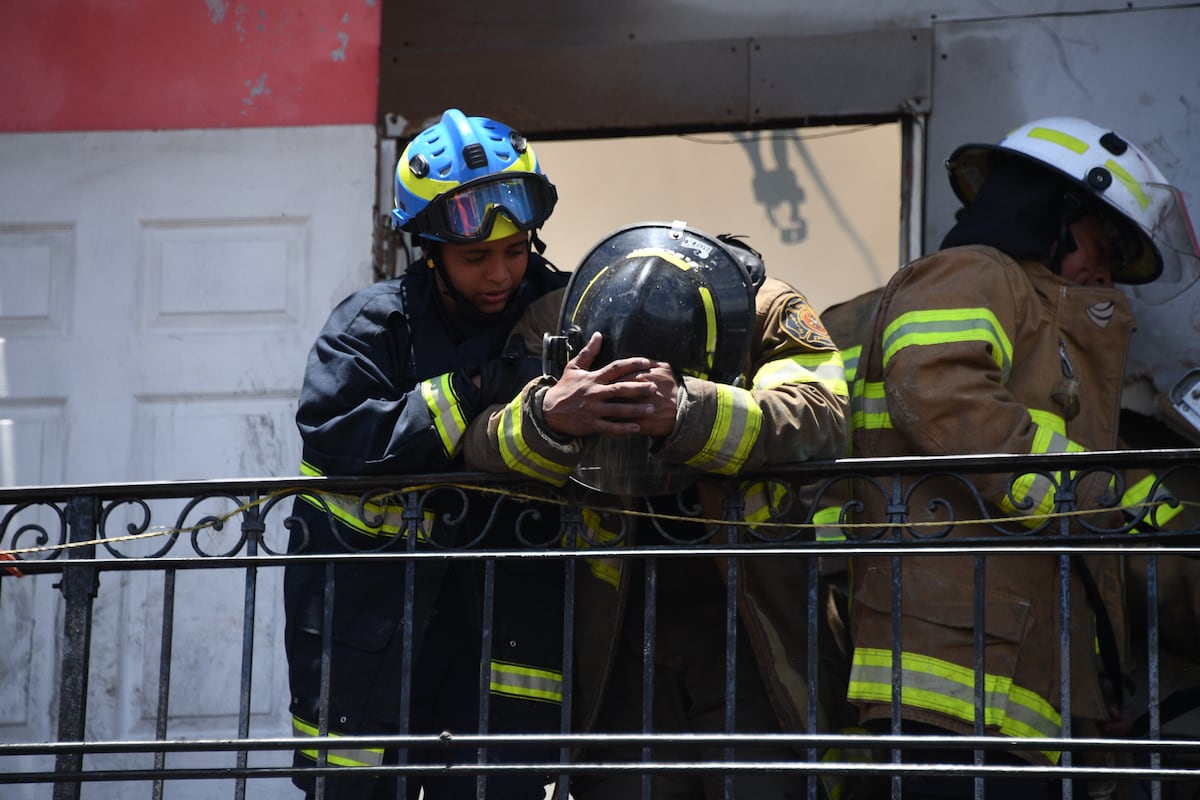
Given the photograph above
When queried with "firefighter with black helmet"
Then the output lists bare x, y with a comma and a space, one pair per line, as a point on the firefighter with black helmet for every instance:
399, 370
685, 367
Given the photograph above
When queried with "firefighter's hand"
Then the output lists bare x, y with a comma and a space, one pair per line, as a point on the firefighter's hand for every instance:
664, 399
612, 400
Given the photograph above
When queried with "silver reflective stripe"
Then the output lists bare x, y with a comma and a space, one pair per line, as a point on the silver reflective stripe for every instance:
734, 432
526, 683
519, 456
444, 409
950, 326
947, 688
342, 757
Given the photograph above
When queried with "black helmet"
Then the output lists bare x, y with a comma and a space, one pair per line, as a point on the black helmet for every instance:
663, 291
671, 293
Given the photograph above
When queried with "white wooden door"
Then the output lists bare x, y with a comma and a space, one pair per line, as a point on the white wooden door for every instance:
158, 294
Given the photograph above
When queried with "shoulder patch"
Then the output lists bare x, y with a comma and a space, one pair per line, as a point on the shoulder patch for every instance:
801, 323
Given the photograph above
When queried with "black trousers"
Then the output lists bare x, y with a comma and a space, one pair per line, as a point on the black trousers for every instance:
446, 688
689, 694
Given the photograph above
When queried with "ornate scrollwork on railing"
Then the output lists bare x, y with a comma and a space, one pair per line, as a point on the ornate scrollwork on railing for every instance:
34, 536
852, 501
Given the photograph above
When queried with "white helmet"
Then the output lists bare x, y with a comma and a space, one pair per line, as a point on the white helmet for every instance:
1113, 171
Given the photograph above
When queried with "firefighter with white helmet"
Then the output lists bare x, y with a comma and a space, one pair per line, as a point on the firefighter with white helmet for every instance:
1010, 339
685, 365
399, 370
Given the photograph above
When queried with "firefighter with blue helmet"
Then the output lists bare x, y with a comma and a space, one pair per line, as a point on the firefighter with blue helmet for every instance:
399, 370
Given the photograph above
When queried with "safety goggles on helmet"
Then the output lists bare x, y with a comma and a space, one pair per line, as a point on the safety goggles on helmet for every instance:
468, 213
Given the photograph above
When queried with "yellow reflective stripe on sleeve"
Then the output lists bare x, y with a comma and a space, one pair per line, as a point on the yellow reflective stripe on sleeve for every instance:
445, 411
369, 518
828, 521
850, 358
607, 570
734, 432
1038, 490
761, 500
824, 368
342, 757
868, 407
949, 326
519, 456
1138, 496
948, 688
526, 683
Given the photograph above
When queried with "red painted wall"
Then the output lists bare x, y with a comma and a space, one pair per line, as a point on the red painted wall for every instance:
101, 65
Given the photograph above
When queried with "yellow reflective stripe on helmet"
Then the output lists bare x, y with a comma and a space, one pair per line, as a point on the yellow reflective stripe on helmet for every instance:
341, 757
734, 432
828, 521
825, 368
369, 518
430, 186
526, 683
949, 326
444, 408
710, 328
519, 456
1077, 146
1037, 490
670, 256
1129, 182
1139, 495
948, 688
868, 407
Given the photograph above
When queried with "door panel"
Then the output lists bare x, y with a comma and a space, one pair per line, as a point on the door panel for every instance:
159, 292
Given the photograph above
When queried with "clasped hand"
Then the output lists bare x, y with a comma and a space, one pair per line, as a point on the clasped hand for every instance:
625, 397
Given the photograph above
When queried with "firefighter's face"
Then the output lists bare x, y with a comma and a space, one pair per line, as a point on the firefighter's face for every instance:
487, 273
1091, 262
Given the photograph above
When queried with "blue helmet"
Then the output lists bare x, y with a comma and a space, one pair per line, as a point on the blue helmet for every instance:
470, 179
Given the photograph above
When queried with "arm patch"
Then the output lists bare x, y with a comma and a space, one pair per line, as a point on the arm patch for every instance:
801, 323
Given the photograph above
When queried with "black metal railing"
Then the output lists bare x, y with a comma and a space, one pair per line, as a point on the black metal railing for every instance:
75, 535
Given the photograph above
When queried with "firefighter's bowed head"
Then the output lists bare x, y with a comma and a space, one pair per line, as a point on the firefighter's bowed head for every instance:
668, 292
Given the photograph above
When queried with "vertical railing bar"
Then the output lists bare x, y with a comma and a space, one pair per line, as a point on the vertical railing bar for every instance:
732, 572
252, 528
1064, 501
648, 655
979, 694
813, 659
571, 520
1154, 688
79, 585
485, 671
162, 710
411, 513
897, 678
326, 678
